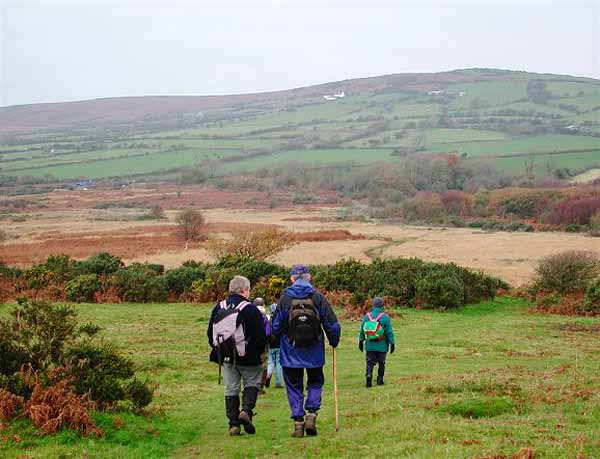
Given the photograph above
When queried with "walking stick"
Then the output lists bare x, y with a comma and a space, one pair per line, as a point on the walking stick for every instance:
335, 393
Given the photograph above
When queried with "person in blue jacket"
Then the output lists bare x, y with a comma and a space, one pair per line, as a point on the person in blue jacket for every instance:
301, 317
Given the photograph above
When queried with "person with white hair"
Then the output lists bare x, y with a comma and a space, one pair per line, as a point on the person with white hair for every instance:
236, 334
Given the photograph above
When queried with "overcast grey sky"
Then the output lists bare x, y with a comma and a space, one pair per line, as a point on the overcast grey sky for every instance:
53, 50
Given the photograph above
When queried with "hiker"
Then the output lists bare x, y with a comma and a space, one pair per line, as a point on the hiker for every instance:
236, 334
274, 358
264, 358
376, 330
301, 317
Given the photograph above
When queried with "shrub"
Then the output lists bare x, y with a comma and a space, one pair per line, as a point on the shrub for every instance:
254, 270
100, 264
36, 335
139, 393
139, 283
9, 272
98, 369
441, 289
61, 375
37, 277
82, 288
565, 272
458, 203
591, 300
269, 288
62, 267
424, 206
455, 221
394, 278
342, 275
257, 244
576, 210
179, 280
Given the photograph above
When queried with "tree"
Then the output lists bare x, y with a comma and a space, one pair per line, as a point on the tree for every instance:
259, 244
191, 224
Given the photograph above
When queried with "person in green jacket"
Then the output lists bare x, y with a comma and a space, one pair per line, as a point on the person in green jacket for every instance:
376, 330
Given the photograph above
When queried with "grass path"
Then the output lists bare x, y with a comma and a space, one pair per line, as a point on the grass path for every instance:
497, 349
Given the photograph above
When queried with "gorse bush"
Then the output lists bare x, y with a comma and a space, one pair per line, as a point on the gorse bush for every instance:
139, 283
179, 280
591, 301
60, 373
82, 288
566, 272
440, 289
100, 264
99, 370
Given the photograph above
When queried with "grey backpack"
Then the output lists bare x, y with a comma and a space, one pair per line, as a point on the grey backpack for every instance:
229, 338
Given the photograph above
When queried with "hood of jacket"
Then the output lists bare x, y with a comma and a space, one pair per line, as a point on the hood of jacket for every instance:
300, 289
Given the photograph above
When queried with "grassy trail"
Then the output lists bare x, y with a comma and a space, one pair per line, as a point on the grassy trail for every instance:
546, 369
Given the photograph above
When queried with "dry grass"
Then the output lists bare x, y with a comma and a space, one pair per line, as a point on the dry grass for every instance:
511, 256
587, 176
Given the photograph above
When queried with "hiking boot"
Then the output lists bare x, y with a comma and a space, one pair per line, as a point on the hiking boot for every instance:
245, 419
380, 382
310, 424
234, 431
298, 429
369, 382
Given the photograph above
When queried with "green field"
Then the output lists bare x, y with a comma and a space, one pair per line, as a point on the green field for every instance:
545, 366
315, 158
545, 162
536, 144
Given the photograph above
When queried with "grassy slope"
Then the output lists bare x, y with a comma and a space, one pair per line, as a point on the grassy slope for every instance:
440, 358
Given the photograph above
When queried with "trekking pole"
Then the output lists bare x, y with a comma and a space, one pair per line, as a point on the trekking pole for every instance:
335, 393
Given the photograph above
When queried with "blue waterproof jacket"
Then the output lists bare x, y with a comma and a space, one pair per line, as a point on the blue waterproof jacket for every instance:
312, 356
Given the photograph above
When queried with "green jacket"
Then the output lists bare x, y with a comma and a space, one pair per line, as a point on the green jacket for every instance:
386, 323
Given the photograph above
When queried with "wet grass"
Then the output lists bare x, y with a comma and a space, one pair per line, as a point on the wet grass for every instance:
533, 376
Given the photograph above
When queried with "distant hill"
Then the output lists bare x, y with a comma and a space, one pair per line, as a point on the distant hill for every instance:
503, 116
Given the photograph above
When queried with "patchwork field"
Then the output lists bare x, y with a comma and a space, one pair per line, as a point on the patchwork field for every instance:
485, 114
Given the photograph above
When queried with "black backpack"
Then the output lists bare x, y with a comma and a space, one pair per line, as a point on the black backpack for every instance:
304, 327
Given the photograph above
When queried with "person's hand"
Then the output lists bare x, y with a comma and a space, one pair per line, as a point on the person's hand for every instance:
392, 348
360, 346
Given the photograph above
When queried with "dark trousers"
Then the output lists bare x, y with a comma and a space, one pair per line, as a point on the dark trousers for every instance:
294, 386
374, 358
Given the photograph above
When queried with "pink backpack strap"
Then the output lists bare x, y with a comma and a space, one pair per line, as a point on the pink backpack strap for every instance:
379, 316
370, 317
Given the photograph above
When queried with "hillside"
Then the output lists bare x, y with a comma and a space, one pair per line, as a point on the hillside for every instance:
504, 117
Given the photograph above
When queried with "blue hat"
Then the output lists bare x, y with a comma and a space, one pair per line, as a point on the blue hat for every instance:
299, 269
378, 302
